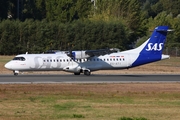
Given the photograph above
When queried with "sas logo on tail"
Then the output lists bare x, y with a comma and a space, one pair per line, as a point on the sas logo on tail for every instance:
155, 47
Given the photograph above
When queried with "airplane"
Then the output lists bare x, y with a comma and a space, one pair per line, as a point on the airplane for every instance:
87, 61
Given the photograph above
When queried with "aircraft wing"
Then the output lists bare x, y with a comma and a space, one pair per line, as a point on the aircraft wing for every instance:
90, 53
99, 52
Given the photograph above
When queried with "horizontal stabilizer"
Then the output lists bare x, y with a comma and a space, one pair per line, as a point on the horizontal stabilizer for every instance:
165, 57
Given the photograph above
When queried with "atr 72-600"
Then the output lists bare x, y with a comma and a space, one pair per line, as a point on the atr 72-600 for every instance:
78, 62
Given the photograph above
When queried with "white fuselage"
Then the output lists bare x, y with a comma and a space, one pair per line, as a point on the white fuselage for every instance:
46, 62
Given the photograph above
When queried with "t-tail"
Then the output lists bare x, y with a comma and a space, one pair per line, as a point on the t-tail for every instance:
151, 50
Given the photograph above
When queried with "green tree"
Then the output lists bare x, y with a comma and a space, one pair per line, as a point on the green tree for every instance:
9, 37
3, 9
173, 37
67, 10
128, 12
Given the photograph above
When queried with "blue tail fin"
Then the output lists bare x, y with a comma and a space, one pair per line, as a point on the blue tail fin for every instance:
151, 50
156, 42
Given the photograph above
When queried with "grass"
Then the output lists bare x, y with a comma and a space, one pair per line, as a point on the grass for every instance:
90, 101
4, 59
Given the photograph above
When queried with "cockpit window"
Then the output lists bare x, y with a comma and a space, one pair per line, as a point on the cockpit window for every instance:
19, 58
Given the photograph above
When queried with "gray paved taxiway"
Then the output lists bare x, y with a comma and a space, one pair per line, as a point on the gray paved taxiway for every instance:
134, 78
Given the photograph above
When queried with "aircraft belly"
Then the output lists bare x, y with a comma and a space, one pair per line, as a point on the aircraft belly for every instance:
92, 65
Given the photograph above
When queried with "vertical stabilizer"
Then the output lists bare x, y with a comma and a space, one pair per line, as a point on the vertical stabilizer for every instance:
156, 42
152, 49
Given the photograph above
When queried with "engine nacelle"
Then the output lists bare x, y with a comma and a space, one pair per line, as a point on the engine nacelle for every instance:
79, 54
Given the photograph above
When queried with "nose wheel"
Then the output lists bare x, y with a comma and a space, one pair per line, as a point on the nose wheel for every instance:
16, 73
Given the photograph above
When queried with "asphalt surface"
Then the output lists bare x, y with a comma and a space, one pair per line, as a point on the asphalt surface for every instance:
133, 78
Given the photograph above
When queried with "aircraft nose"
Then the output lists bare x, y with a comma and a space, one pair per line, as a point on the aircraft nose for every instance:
8, 65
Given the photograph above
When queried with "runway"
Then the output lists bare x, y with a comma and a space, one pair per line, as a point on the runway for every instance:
134, 78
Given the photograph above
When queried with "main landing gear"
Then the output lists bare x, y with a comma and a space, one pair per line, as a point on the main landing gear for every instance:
86, 72
77, 73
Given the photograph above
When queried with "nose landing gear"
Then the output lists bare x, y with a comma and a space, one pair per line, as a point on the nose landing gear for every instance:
15, 72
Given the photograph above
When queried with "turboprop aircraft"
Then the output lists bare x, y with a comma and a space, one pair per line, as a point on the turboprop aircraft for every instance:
78, 62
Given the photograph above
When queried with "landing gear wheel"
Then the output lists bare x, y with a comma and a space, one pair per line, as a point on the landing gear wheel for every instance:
77, 73
86, 72
15, 74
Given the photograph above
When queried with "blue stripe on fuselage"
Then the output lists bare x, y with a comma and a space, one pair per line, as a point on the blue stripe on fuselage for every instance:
144, 58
